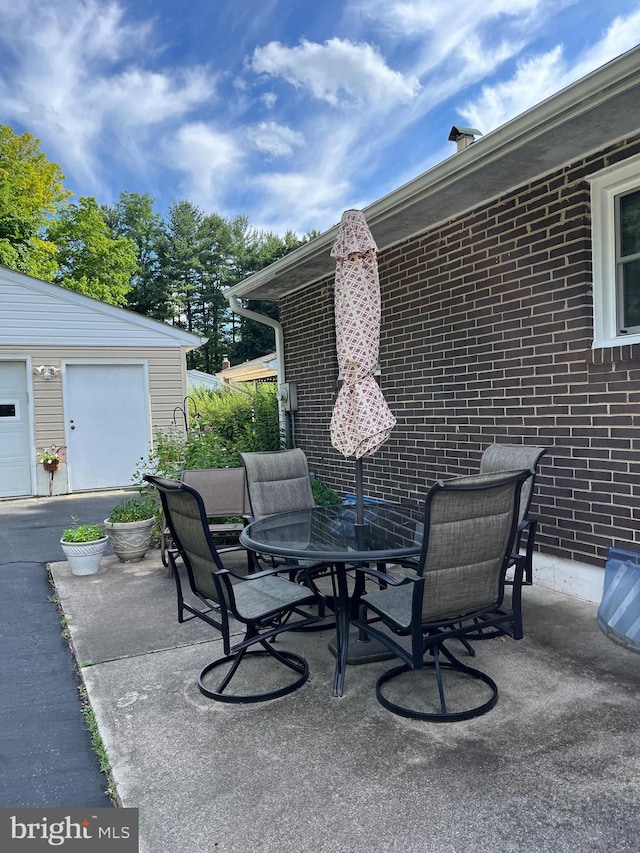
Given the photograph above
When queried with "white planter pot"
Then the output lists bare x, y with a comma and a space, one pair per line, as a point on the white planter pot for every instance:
84, 557
130, 540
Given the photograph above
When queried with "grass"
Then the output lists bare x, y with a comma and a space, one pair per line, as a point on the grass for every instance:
97, 743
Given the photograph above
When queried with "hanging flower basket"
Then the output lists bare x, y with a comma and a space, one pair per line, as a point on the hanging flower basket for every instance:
51, 458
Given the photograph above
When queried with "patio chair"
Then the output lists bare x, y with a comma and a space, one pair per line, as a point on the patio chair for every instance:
278, 481
469, 530
224, 494
263, 602
516, 457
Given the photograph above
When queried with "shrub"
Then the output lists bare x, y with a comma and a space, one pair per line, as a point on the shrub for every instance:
222, 425
323, 495
134, 509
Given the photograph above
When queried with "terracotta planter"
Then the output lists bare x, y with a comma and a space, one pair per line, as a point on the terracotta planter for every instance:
130, 540
84, 557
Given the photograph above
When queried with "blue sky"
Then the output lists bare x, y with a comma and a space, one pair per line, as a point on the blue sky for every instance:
288, 111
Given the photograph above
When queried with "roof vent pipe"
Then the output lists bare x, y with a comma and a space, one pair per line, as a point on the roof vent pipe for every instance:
463, 136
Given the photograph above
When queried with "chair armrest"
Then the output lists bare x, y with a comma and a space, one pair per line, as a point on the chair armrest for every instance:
252, 575
388, 579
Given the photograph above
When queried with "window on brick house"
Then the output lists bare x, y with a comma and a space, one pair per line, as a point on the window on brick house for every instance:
615, 207
628, 260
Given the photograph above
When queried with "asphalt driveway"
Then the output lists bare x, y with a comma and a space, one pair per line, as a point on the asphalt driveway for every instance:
46, 759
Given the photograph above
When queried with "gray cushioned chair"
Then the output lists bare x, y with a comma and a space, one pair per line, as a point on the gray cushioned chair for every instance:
516, 457
262, 602
225, 497
278, 481
469, 531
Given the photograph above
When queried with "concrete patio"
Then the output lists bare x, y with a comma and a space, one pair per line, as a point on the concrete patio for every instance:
554, 767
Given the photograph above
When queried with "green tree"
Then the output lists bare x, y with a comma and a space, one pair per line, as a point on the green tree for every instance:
212, 307
180, 261
90, 259
254, 251
194, 257
133, 216
31, 191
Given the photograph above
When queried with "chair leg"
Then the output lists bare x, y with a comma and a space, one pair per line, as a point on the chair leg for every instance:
292, 661
444, 716
470, 650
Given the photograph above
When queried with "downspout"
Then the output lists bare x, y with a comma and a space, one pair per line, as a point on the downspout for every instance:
276, 326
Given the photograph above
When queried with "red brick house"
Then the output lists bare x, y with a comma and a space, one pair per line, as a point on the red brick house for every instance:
510, 282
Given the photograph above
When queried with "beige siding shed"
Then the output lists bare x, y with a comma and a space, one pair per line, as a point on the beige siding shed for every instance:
52, 342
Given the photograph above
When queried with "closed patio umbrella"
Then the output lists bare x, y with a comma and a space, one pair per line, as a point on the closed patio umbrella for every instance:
361, 420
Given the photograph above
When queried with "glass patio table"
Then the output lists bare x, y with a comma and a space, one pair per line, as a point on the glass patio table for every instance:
330, 534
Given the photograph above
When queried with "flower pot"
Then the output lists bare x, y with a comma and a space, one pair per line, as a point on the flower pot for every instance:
130, 540
51, 465
84, 557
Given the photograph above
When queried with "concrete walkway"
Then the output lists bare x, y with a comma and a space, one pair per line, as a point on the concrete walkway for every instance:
554, 767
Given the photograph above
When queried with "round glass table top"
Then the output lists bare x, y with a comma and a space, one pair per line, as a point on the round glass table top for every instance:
331, 533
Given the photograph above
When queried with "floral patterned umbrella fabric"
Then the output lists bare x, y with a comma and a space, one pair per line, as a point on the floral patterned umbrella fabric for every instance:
361, 420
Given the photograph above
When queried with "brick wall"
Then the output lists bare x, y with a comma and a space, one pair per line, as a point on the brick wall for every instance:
486, 337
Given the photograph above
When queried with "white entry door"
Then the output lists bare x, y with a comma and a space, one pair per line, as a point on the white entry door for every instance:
15, 462
107, 423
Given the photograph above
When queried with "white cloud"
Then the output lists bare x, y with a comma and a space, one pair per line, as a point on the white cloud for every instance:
208, 161
416, 18
622, 35
307, 199
143, 99
275, 139
79, 82
96, 84
338, 72
466, 38
539, 77
535, 79
269, 99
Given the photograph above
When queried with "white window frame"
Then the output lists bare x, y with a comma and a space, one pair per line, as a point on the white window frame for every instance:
605, 186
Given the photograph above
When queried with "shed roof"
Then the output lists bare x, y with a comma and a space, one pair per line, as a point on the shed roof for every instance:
41, 313
585, 117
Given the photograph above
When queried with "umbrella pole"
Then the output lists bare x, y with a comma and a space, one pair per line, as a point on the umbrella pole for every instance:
359, 506
362, 649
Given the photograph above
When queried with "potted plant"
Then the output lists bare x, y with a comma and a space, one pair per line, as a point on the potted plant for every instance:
83, 545
51, 458
130, 527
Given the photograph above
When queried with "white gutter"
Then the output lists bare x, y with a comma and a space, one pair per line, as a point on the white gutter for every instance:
276, 326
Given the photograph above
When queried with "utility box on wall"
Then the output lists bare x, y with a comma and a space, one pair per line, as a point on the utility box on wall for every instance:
619, 611
288, 393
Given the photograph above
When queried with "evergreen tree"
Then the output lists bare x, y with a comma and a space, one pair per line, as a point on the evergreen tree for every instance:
181, 262
133, 216
213, 308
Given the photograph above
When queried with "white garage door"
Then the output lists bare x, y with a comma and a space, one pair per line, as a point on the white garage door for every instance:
107, 423
15, 464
